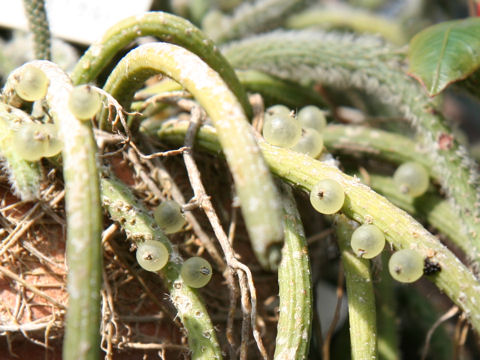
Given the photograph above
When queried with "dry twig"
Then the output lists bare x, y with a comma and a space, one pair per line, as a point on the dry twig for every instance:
203, 200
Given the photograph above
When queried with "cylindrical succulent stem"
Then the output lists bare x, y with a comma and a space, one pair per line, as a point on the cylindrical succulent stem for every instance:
139, 226
166, 27
295, 286
363, 205
84, 217
361, 298
253, 182
38, 24
368, 64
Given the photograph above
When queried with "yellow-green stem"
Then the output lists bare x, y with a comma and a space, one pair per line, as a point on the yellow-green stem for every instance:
253, 183
361, 299
84, 217
295, 286
362, 204
139, 226
166, 27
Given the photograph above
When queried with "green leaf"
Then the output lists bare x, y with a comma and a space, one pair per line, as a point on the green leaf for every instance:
445, 53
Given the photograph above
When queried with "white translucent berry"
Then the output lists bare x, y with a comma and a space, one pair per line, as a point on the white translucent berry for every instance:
312, 117
411, 178
29, 141
406, 266
327, 196
84, 102
280, 128
152, 255
53, 143
32, 84
196, 272
169, 217
32, 141
278, 110
310, 143
367, 241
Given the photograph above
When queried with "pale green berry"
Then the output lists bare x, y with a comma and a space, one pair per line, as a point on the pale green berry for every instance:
152, 255
406, 265
327, 196
54, 143
84, 102
367, 241
310, 143
32, 84
30, 141
169, 217
196, 272
280, 128
411, 178
312, 117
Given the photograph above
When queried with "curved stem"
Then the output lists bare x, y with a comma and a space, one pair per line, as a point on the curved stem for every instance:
139, 226
362, 316
366, 63
430, 207
253, 183
166, 27
84, 217
398, 149
364, 205
273, 90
